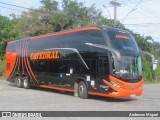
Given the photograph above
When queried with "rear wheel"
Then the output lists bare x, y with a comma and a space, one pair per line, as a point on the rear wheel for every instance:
26, 83
82, 90
19, 82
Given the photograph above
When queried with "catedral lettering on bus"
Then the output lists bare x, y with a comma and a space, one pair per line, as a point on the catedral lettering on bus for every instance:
86, 61
44, 55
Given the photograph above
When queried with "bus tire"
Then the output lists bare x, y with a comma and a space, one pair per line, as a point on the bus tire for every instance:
26, 83
82, 90
19, 82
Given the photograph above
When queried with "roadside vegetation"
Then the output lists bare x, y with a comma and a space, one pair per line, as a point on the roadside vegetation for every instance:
50, 17
1, 68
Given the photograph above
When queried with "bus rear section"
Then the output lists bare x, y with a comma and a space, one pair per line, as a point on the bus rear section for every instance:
10, 60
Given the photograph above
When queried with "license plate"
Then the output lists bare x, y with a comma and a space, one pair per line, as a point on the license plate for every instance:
132, 95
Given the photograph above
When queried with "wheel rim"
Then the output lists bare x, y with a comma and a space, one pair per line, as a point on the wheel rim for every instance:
81, 89
18, 81
25, 83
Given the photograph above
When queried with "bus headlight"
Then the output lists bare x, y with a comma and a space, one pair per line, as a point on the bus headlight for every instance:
116, 85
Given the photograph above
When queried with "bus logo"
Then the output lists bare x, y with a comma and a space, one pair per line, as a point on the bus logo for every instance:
44, 55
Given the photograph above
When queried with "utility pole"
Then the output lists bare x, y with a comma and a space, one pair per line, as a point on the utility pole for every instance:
115, 4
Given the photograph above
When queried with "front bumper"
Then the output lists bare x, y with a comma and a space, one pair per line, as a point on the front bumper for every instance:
121, 89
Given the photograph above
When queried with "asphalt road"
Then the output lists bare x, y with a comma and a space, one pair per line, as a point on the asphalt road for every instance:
36, 99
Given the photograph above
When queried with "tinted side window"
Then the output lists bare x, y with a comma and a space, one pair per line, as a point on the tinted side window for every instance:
103, 67
66, 66
39, 66
79, 68
95, 37
47, 43
55, 66
77, 40
73, 40
11, 48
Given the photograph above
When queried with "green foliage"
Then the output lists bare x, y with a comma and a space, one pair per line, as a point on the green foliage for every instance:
1, 67
31, 24
105, 22
52, 18
7, 33
79, 15
147, 73
50, 5
157, 73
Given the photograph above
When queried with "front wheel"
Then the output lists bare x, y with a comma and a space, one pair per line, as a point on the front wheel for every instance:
26, 83
82, 90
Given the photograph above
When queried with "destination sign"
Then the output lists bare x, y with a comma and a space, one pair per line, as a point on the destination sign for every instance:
122, 37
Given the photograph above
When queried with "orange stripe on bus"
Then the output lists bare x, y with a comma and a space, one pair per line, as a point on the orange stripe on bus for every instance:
98, 94
57, 88
12, 42
25, 59
17, 52
64, 32
19, 59
30, 66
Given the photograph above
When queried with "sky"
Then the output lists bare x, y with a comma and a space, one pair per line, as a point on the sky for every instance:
141, 16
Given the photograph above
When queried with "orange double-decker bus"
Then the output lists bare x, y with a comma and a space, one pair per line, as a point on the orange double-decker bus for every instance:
87, 61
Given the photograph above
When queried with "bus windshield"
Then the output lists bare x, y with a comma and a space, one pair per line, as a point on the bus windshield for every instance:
122, 41
129, 67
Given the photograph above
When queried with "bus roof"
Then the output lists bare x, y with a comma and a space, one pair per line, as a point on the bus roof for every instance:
67, 32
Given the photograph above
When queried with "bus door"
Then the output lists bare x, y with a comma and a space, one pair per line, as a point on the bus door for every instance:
103, 71
67, 74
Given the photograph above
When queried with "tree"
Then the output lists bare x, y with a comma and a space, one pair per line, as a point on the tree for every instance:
50, 18
50, 5
7, 33
33, 23
78, 15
